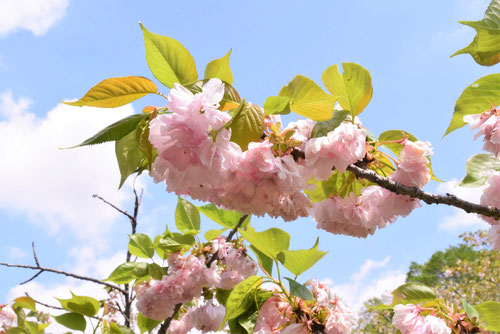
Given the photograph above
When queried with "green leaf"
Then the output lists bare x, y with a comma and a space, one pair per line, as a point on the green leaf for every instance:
141, 245
226, 218
25, 302
81, 304
128, 271
322, 128
338, 184
308, 99
277, 105
146, 324
299, 290
72, 321
142, 140
175, 242
485, 48
222, 295
116, 92
123, 329
129, 156
247, 125
168, 60
475, 99
219, 68
212, 234
353, 88
265, 261
478, 167
299, 261
156, 272
489, 315
187, 217
115, 131
270, 242
16, 330
241, 298
470, 310
412, 293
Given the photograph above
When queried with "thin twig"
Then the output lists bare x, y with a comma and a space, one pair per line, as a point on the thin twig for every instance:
114, 207
34, 254
428, 198
60, 272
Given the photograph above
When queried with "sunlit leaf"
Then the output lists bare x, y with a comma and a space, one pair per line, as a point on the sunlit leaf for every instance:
141, 245
299, 290
241, 298
478, 168
219, 68
81, 304
72, 321
116, 92
489, 315
352, 89
127, 272
475, 99
187, 217
277, 105
308, 99
412, 293
129, 156
270, 242
247, 125
226, 218
168, 60
322, 128
25, 302
146, 324
298, 261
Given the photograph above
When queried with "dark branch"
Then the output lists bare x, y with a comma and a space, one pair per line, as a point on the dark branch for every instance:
164, 326
428, 198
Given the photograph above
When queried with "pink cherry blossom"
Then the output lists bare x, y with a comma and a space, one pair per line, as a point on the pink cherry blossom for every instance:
8, 318
205, 317
408, 320
494, 237
488, 123
412, 168
339, 148
274, 315
185, 279
339, 319
321, 291
491, 196
302, 131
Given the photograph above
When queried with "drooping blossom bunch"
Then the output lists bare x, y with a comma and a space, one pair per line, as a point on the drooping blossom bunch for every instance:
361, 215
408, 319
491, 197
488, 124
187, 276
8, 318
326, 313
205, 317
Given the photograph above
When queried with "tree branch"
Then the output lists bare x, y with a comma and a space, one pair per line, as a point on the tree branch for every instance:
428, 198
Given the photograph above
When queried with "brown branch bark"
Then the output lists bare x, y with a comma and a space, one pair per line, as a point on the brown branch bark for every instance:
428, 198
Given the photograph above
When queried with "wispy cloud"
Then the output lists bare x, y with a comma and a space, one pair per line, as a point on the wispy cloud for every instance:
37, 16
459, 220
371, 280
53, 187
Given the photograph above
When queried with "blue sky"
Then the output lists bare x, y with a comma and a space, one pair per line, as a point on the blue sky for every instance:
58, 50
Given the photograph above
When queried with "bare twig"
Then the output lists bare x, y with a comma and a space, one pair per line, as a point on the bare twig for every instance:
46, 305
114, 207
428, 198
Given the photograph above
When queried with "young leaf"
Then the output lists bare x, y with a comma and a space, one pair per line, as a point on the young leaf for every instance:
81, 304
187, 217
25, 302
299, 290
299, 261
476, 98
353, 88
226, 218
470, 310
146, 324
127, 272
142, 139
308, 99
241, 298
72, 321
322, 128
175, 242
395, 135
219, 68
168, 60
277, 105
265, 261
485, 48
115, 131
412, 293
141, 245
116, 92
156, 271
270, 242
212, 234
130, 158
478, 167
247, 125
489, 315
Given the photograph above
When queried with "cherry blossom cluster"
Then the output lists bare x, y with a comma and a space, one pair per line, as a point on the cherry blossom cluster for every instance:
488, 124
8, 318
187, 276
197, 158
326, 314
409, 320
205, 317
491, 197
361, 215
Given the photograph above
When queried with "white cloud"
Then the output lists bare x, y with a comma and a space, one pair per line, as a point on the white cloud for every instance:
460, 220
37, 16
53, 187
372, 279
